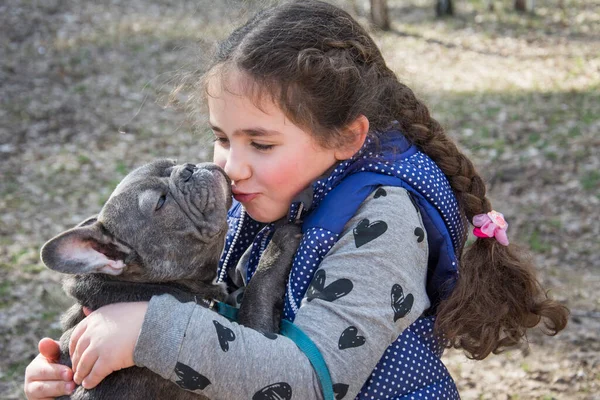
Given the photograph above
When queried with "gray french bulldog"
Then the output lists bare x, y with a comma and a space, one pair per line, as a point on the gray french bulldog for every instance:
162, 231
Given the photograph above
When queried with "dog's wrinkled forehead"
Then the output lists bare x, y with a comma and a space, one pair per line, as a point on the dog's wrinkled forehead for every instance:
157, 169
163, 195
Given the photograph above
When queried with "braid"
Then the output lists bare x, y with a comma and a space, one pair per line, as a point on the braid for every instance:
427, 134
492, 276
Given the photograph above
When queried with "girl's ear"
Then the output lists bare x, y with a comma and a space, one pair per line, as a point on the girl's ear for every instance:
355, 133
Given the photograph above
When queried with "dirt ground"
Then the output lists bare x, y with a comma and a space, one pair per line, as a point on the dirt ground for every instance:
83, 88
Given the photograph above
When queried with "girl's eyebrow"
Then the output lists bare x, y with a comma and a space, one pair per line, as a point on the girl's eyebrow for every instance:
252, 132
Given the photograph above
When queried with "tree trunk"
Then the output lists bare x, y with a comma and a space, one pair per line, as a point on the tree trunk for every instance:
444, 8
520, 5
379, 14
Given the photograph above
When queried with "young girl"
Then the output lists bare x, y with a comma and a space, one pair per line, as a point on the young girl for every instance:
311, 125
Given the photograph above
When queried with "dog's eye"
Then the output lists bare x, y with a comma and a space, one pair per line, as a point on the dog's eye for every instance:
161, 202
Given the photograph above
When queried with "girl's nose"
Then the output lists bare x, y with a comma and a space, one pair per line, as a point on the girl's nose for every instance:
237, 167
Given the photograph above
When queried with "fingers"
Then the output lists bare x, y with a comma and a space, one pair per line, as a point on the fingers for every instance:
41, 370
91, 370
50, 349
75, 335
48, 390
45, 380
75, 343
96, 375
85, 365
80, 349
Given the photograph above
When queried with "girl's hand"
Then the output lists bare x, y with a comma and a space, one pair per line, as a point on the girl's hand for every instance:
104, 342
44, 379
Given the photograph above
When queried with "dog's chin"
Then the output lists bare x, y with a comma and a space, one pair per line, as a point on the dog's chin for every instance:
220, 186
225, 188
214, 217
217, 229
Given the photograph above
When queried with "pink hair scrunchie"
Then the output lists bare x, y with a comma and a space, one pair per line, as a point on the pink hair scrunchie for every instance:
491, 225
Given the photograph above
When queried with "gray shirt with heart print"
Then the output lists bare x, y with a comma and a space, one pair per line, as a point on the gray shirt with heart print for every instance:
187, 342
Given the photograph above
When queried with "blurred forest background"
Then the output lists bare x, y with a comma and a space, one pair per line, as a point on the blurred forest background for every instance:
83, 90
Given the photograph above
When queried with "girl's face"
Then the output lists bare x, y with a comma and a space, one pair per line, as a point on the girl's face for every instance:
268, 158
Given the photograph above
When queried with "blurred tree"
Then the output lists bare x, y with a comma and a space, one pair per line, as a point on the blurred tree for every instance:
443, 8
379, 14
521, 5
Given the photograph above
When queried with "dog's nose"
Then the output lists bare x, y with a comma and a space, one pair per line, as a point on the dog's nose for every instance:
212, 167
187, 172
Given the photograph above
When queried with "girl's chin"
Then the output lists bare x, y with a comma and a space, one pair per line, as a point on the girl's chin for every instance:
263, 217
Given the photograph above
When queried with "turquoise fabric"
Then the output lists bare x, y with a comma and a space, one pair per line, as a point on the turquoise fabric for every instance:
291, 331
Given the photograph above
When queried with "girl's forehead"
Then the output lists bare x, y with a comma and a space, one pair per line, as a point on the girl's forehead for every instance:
231, 81
234, 96
231, 113
235, 90
228, 79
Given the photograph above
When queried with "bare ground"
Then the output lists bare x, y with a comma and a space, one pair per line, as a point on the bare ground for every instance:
82, 89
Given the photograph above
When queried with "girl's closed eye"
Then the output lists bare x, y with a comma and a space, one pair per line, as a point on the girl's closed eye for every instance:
262, 147
222, 141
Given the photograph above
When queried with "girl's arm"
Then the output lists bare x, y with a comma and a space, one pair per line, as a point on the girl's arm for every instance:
349, 316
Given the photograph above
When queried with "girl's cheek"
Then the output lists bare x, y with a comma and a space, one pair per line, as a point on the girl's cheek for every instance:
220, 156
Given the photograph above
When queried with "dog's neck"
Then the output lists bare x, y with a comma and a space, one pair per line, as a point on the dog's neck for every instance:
96, 290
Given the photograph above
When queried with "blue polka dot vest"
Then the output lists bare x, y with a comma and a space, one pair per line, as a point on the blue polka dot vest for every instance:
411, 367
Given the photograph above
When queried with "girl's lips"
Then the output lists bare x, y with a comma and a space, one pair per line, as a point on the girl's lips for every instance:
244, 197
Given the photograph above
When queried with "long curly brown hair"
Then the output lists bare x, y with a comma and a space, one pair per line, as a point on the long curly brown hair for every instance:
324, 70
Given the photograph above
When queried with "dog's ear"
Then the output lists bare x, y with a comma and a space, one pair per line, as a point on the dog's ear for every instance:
87, 248
88, 221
